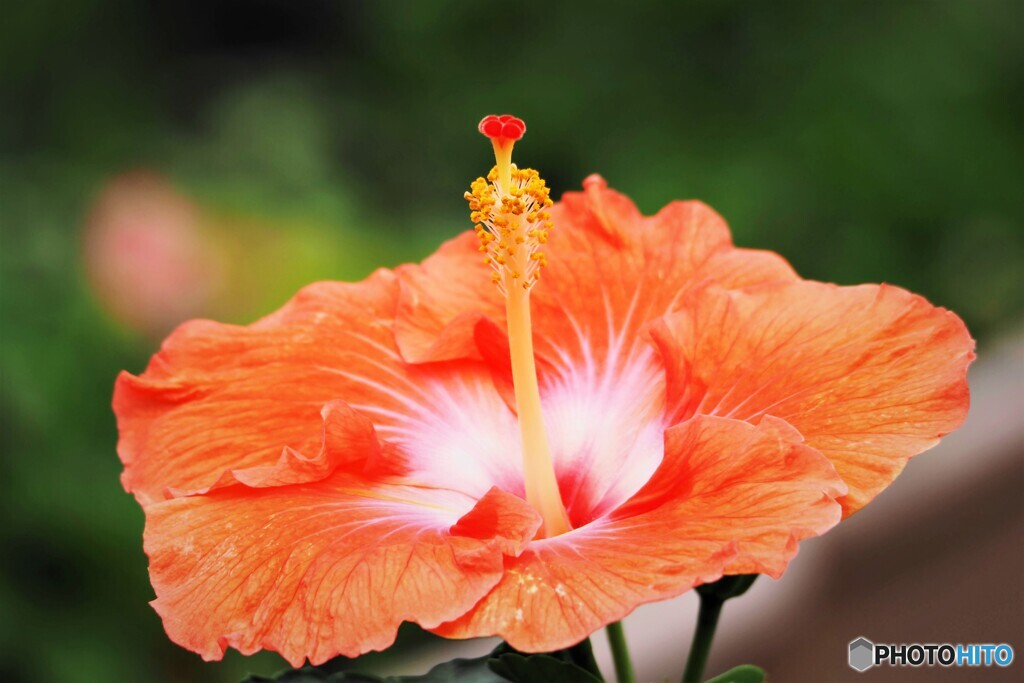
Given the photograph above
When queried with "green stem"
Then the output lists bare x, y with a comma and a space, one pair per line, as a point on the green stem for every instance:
620, 653
707, 620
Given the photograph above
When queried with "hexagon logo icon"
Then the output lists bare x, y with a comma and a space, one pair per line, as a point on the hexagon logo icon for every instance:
862, 654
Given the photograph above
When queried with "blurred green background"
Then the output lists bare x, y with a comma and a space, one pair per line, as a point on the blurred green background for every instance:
164, 160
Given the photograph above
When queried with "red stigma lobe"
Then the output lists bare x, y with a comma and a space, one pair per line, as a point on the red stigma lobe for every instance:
502, 128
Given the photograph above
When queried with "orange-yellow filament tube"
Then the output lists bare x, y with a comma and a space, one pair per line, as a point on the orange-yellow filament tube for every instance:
538, 471
503, 157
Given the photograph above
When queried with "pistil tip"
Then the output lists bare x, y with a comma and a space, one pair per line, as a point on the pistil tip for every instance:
503, 128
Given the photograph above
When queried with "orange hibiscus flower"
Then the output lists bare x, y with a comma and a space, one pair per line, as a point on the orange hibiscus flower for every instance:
397, 449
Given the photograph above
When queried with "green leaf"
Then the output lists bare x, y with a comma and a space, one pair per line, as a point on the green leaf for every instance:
459, 670
746, 673
500, 666
311, 675
539, 669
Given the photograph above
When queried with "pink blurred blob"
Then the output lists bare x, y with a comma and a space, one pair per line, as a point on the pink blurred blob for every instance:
146, 255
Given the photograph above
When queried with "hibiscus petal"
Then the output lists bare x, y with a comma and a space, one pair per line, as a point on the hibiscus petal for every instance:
870, 375
326, 568
221, 404
611, 270
349, 438
441, 301
601, 292
728, 497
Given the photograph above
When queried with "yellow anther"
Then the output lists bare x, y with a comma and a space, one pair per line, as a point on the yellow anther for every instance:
511, 221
